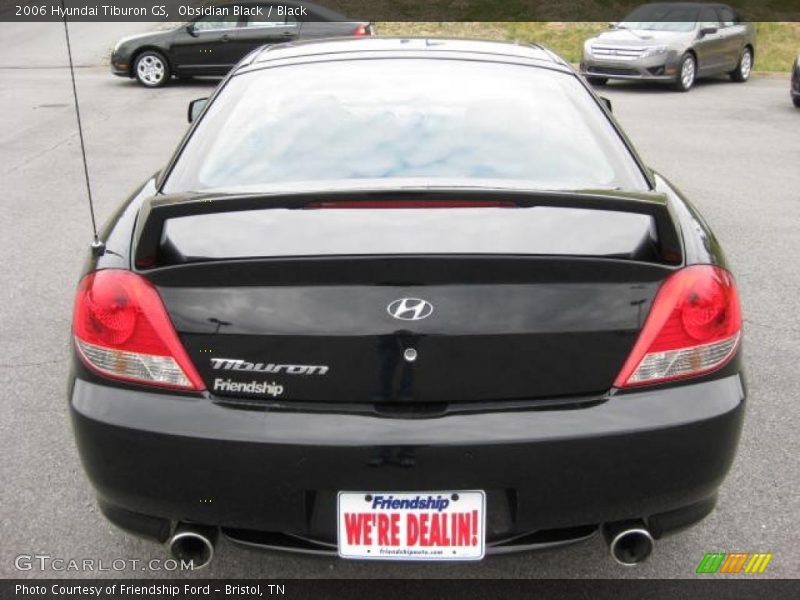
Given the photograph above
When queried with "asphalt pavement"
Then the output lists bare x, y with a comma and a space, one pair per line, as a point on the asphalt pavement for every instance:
734, 149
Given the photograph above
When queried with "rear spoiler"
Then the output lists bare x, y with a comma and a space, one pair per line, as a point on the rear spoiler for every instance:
158, 209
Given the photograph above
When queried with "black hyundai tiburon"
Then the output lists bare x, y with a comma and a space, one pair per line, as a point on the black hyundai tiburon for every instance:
406, 299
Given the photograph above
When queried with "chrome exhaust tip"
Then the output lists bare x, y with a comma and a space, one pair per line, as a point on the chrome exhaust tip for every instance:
629, 542
193, 543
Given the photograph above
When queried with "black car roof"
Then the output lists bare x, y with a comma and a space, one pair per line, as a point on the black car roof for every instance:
358, 47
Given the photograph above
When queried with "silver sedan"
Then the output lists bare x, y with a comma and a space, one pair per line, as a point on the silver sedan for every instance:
672, 42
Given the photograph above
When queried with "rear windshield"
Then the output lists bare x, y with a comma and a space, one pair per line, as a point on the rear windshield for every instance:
406, 119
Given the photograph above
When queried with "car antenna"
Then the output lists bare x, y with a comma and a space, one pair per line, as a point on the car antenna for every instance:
98, 246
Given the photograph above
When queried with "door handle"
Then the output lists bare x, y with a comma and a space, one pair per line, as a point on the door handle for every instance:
288, 33
225, 38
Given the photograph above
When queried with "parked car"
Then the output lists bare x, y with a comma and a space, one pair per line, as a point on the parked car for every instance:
406, 299
676, 42
213, 43
795, 89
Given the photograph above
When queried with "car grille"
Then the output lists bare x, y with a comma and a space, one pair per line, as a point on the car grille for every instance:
618, 52
611, 71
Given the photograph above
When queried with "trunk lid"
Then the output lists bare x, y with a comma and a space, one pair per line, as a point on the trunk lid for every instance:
480, 342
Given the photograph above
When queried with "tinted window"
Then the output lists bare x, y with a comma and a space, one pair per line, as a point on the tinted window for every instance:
269, 17
427, 120
213, 22
708, 18
727, 17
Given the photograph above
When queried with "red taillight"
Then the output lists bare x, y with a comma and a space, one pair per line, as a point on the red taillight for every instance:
361, 30
122, 330
693, 327
411, 204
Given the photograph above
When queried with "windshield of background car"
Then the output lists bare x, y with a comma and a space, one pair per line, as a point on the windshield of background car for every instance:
661, 18
399, 119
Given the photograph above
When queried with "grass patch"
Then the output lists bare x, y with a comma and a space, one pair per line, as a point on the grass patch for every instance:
777, 46
777, 43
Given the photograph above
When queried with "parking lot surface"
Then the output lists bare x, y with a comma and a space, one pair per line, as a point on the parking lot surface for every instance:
734, 149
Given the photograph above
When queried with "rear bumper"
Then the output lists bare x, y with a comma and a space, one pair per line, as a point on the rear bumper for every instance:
179, 458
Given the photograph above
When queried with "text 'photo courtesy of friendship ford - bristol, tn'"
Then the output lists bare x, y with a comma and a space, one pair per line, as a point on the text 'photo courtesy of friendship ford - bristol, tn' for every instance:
406, 299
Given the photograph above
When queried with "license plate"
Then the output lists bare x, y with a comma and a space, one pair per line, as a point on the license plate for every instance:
412, 525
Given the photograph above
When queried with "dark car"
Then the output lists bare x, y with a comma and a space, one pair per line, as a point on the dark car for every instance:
217, 39
795, 89
673, 42
406, 299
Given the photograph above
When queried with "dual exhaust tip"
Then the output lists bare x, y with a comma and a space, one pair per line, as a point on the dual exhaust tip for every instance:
629, 543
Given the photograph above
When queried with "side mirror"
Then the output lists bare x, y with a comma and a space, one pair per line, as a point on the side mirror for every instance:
708, 31
195, 108
612, 24
607, 102
190, 29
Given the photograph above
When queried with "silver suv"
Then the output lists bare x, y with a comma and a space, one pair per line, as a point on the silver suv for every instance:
676, 42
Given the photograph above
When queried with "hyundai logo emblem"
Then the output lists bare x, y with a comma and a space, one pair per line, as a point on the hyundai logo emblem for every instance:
410, 309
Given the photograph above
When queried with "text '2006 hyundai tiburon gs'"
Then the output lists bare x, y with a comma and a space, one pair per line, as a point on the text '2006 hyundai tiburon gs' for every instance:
406, 299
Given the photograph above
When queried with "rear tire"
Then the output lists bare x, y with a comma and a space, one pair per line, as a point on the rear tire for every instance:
598, 81
796, 101
151, 69
687, 73
742, 71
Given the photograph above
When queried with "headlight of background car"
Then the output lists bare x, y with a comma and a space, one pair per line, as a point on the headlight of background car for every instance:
655, 51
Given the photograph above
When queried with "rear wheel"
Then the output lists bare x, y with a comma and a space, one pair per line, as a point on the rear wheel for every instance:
151, 69
597, 80
742, 71
687, 73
